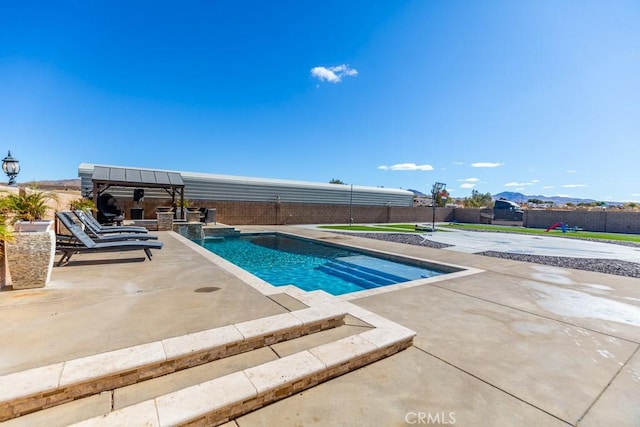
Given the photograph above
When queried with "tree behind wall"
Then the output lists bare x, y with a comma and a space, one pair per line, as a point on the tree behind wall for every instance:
478, 200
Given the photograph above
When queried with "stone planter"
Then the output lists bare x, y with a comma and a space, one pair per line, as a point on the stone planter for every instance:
31, 226
193, 216
165, 221
30, 258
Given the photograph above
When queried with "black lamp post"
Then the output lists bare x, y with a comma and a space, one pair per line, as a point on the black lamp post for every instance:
435, 190
11, 167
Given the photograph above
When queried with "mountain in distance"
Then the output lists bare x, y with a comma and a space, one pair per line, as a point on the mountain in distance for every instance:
523, 198
59, 184
557, 200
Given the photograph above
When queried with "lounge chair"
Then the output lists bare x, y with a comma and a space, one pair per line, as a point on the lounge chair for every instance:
95, 227
67, 220
80, 242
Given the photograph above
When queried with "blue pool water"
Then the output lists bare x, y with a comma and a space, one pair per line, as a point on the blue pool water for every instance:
309, 265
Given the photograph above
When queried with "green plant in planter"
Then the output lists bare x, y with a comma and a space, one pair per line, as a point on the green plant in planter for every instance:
82, 204
185, 203
6, 235
30, 256
27, 207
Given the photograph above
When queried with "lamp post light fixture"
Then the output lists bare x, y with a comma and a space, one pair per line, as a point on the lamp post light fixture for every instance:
11, 167
437, 188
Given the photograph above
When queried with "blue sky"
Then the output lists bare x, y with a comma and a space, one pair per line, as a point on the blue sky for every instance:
540, 97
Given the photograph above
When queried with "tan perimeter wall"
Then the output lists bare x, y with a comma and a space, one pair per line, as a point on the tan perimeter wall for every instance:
605, 220
254, 213
271, 213
473, 215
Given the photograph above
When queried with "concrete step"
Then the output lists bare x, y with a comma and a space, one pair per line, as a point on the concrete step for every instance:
225, 398
47, 386
114, 400
224, 373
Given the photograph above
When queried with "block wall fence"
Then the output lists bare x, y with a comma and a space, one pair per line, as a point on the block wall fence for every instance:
606, 220
272, 213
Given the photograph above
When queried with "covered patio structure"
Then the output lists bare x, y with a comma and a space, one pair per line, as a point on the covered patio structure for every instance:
105, 177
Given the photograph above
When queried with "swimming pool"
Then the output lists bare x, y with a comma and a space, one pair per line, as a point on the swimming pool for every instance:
310, 265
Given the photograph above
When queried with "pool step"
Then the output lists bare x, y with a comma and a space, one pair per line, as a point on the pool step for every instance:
359, 275
48, 386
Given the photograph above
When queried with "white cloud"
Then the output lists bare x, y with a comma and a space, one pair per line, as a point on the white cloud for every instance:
469, 180
571, 171
486, 165
333, 74
573, 185
547, 187
406, 167
517, 184
458, 163
467, 185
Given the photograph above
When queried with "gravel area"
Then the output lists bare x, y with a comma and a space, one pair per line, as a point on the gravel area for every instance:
608, 266
408, 238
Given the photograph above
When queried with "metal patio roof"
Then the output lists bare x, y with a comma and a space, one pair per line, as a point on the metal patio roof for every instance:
128, 177
104, 177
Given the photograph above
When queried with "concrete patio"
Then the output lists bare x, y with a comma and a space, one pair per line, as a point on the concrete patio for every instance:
511, 344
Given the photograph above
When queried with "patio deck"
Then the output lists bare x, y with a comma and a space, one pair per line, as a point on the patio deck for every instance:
513, 344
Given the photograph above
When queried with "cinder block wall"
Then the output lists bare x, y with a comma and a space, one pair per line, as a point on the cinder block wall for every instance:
271, 213
605, 220
588, 220
255, 213
473, 215
623, 222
